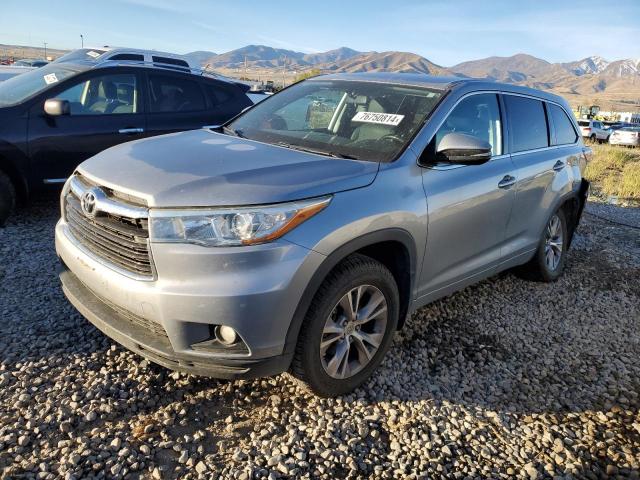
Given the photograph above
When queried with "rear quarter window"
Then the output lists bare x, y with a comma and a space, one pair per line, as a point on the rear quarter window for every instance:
528, 123
565, 133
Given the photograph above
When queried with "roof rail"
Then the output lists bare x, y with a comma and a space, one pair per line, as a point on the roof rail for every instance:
164, 66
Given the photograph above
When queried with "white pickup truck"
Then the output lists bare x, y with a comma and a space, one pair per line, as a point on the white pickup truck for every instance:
594, 130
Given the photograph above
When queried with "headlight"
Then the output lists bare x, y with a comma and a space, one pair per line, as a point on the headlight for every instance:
231, 226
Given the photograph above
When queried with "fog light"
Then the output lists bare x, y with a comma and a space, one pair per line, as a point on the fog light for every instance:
226, 335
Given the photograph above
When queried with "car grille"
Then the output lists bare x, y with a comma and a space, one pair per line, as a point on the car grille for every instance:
120, 241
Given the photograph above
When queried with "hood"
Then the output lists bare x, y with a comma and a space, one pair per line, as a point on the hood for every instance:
201, 168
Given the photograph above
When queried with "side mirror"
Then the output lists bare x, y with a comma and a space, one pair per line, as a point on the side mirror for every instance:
56, 107
464, 149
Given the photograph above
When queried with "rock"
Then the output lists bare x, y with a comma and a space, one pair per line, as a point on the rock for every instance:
201, 467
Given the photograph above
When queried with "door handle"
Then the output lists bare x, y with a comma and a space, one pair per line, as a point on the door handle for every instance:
559, 165
130, 131
506, 181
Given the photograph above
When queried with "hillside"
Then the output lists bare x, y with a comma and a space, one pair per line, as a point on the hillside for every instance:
387, 62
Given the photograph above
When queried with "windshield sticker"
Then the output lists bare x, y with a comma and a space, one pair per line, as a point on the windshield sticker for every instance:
51, 78
381, 118
93, 54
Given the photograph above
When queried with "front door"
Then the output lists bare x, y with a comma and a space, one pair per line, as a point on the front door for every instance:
469, 206
106, 109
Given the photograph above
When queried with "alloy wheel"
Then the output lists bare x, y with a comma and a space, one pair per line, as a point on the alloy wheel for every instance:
353, 332
553, 243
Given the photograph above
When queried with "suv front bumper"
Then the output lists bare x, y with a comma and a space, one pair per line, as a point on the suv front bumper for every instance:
254, 290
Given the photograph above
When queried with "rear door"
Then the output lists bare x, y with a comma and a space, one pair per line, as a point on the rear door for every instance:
540, 155
106, 109
176, 102
469, 206
225, 101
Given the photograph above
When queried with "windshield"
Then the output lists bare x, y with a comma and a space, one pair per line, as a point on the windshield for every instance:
26, 85
81, 54
344, 119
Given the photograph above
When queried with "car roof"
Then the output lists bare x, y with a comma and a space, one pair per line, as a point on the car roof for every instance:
85, 65
435, 82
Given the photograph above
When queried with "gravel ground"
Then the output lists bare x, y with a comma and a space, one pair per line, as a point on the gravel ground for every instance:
504, 379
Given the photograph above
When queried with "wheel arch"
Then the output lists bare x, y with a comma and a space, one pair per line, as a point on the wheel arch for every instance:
17, 178
572, 204
394, 248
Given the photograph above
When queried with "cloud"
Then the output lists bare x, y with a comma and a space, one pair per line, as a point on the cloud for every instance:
163, 5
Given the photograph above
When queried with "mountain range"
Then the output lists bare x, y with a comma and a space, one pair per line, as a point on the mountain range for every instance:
613, 84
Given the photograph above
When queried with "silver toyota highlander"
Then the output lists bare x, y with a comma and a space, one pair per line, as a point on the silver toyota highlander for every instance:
299, 236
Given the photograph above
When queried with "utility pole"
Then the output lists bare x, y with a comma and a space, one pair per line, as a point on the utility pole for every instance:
284, 69
45, 50
245, 67
81, 41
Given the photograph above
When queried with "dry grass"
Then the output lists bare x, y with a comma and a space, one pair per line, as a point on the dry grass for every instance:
615, 171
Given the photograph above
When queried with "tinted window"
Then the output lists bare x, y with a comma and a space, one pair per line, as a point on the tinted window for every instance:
103, 95
219, 95
175, 94
565, 132
476, 115
528, 123
171, 61
128, 56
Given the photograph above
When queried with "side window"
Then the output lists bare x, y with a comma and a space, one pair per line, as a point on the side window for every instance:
476, 115
218, 95
175, 94
528, 123
128, 56
565, 133
181, 64
103, 95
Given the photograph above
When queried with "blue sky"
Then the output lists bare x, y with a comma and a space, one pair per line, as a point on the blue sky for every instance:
446, 32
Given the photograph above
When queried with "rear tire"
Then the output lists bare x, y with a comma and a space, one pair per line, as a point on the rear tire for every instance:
593, 138
326, 369
7, 198
548, 262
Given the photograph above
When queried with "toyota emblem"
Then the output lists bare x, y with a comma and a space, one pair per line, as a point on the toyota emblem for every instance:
88, 203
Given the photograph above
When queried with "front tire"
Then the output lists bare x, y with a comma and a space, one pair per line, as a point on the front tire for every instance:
548, 262
348, 327
7, 198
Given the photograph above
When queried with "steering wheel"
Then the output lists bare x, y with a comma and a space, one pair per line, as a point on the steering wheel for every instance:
393, 137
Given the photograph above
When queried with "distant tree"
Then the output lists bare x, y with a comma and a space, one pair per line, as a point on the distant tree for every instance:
314, 72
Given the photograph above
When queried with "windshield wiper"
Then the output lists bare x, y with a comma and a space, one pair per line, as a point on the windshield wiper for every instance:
234, 132
317, 152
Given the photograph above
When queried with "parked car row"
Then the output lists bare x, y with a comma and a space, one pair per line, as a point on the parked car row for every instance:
298, 236
53, 118
624, 134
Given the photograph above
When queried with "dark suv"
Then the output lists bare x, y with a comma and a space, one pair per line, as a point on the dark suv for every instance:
53, 118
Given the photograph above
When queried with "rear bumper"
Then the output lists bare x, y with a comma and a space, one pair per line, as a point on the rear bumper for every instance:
627, 142
157, 347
